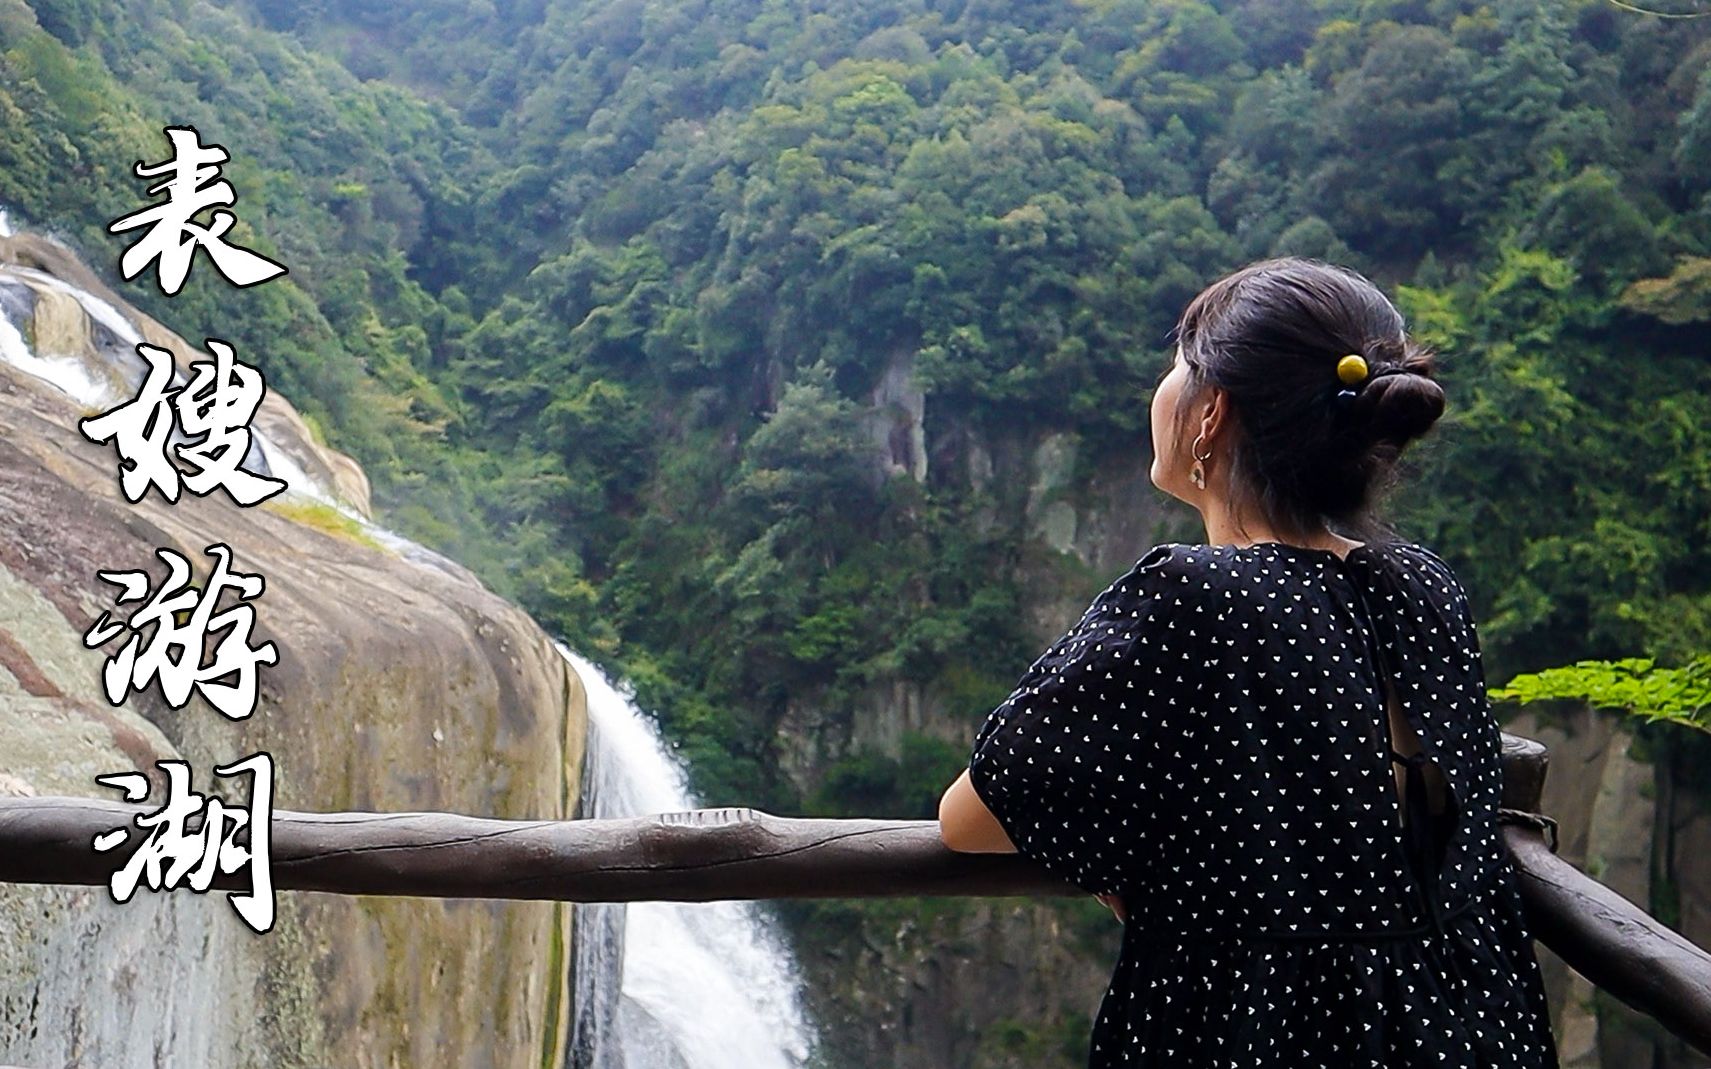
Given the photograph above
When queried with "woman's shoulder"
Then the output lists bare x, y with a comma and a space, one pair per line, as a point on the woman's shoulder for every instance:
1183, 558
1433, 572
1164, 558
1166, 577
1177, 577
1182, 562
1197, 570
1169, 567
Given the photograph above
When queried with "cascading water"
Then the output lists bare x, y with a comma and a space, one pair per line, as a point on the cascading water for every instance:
659, 985
670, 985
92, 358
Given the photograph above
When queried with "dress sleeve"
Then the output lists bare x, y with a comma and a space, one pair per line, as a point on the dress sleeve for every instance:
1059, 762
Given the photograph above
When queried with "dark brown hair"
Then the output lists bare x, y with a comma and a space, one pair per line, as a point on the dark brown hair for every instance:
1271, 335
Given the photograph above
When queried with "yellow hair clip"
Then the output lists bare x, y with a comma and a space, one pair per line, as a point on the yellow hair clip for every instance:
1351, 369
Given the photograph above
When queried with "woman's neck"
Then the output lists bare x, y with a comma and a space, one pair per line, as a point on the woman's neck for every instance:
1222, 531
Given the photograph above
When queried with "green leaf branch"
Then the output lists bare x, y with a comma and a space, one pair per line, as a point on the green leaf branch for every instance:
1636, 685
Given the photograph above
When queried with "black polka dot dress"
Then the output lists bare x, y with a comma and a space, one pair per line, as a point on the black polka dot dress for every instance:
1210, 742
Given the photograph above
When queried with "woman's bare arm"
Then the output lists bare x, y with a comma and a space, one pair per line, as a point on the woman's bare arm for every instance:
966, 824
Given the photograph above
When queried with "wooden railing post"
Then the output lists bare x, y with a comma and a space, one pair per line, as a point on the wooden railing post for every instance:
1609, 940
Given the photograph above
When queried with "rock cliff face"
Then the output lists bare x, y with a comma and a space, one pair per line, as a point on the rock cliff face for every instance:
988, 982
402, 684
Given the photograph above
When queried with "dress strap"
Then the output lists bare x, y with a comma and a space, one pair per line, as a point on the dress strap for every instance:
1417, 835
1416, 831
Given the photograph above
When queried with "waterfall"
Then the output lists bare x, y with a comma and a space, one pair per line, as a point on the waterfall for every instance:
659, 985
87, 349
671, 985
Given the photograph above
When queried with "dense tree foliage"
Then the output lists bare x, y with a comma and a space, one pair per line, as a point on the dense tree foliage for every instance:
597, 296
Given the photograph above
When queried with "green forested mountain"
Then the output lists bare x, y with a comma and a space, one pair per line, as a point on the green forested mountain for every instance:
596, 292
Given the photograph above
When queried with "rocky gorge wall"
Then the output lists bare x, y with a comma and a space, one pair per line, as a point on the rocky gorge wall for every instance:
1003, 983
402, 684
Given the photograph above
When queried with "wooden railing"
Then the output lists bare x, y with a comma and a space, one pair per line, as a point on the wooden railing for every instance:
708, 854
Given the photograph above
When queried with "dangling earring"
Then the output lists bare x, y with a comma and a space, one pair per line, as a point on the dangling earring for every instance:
1197, 474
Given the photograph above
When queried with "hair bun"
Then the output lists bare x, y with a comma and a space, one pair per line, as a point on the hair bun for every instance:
1403, 401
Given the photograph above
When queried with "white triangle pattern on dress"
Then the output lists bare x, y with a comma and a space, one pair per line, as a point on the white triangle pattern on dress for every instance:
1209, 742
